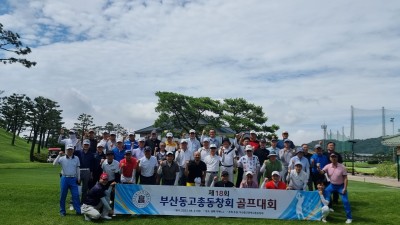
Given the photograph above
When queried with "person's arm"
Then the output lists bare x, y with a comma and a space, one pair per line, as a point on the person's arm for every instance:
262, 170
186, 169
176, 178
263, 183
323, 200
159, 171
345, 184
58, 158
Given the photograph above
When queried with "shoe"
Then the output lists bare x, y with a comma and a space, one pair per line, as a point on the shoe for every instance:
87, 218
62, 214
323, 220
106, 217
331, 210
71, 207
349, 220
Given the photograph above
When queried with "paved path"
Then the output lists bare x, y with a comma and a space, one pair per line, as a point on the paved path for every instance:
378, 180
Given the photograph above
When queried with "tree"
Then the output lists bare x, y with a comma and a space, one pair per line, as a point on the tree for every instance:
240, 115
14, 110
10, 42
85, 122
43, 114
185, 112
109, 127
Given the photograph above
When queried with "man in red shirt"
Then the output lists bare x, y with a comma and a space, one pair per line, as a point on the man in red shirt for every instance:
275, 183
128, 168
253, 140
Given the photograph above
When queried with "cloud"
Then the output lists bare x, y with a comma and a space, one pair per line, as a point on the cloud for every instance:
305, 62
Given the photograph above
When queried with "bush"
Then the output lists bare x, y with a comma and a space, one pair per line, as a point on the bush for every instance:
40, 157
386, 169
373, 162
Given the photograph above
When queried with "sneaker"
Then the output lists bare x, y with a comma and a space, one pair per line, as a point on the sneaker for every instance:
71, 207
349, 220
323, 220
62, 214
87, 218
331, 210
106, 217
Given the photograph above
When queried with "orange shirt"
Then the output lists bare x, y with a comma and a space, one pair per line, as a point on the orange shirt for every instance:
127, 167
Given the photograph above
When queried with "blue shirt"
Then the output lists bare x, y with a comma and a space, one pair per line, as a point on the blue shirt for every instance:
128, 144
86, 159
118, 155
281, 146
322, 159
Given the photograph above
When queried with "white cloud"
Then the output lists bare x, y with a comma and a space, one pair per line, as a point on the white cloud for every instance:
305, 62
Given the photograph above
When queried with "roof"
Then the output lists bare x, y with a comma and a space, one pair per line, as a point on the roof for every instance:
392, 140
147, 130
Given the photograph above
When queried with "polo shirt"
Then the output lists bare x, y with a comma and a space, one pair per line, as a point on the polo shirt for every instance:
86, 160
272, 185
212, 163
138, 153
119, 154
249, 163
147, 166
69, 165
321, 159
336, 173
127, 167
130, 145
304, 162
271, 167
181, 157
203, 153
169, 170
110, 168
193, 144
298, 181
228, 156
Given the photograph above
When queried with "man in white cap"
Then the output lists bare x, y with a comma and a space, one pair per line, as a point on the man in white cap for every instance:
170, 144
130, 143
128, 167
299, 157
71, 140
148, 167
297, 178
285, 135
250, 162
253, 140
169, 171
70, 178
249, 181
271, 165
212, 162
274, 183
138, 153
119, 151
228, 157
105, 141
182, 157
205, 150
193, 143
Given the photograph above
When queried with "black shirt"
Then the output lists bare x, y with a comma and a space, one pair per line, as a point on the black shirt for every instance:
195, 170
223, 184
262, 154
95, 194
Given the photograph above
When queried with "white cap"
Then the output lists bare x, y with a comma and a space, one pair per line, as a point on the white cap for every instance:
206, 140
120, 140
249, 148
192, 131
72, 131
131, 133
170, 153
249, 172
100, 145
142, 139
113, 133
183, 141
275, 173
213, 146
70, 146
298, 163
253, 132
86, 142
169, 134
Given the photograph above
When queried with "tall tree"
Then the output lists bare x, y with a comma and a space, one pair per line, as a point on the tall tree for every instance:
14, 112
185, 112
109, 127
41, 111
85, 122
240, 115
10, 42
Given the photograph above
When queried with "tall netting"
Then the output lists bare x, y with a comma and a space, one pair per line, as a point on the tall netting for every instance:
372, 123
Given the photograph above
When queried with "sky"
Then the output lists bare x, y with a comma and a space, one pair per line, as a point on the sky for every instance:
305, 62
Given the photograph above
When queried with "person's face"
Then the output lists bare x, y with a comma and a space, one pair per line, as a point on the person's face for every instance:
305, 148
162, 147
197, 156
249, 153
319, 151
300, 155
253, 136
263, 144
86, 146
153, 136
91, 135
321, 186
169, 139
249, 177
147, 154
170, 157
192, 134
119, 144
131, 137
273, 143
112, 137
286, 144
331, 147
141, 144
70, 152
105, 136
285, 135
225, 178
272, 158
213, 150
226, 144
298, 168
184, 145
128, 156
103, 182
100, 149
110, 157
275, 177
334, 159
206, 144
245, 142
212, 133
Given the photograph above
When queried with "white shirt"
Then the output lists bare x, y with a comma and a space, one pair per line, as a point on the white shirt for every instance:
298, 181
138, 153
181, 157
228, 157
249, 163
203, 153
285, 156
147, 166
69, 165
110, 169
212, 163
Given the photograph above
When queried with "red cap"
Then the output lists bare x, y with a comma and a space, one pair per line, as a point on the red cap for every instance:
104, 176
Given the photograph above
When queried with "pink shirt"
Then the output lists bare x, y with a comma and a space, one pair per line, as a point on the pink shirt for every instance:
336, 173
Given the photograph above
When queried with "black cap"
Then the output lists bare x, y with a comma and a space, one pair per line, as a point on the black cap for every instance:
109, 152
226, 139
147, 148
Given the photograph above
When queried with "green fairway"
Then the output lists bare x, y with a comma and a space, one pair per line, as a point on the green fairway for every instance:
29, 195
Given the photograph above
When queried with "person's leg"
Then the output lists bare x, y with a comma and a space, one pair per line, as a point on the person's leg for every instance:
75, 195
325, 211
85, 177
63, 194
208, 180
90, 212
239, 176
346, 203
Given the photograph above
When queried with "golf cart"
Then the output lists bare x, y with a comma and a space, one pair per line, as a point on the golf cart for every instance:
53, 153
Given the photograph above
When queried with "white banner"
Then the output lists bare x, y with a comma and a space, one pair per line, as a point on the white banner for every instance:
213, 201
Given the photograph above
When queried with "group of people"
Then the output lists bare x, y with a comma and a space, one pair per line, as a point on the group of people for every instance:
98, 164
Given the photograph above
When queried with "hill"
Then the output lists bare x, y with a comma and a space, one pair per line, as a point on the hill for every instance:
13, 154
365, 146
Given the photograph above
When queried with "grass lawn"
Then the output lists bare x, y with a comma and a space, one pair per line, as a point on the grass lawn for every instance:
29, 194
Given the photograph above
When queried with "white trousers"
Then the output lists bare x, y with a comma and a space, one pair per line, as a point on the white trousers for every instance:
93, 211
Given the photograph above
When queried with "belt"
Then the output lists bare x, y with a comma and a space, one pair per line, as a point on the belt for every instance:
212, 171
227, 166
84, 169
69, 176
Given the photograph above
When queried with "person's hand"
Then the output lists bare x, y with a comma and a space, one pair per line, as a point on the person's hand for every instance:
265, 162
215, 178
113, 184
266, 179
78, 181
204, 131
61, 153
320, 192
61, 131
344, 191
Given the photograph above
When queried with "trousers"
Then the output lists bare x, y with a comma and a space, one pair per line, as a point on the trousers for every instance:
339, 188
69, 183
